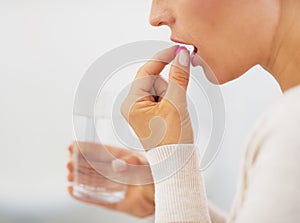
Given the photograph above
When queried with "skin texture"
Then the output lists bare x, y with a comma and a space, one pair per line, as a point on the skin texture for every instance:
231, 36
284, 57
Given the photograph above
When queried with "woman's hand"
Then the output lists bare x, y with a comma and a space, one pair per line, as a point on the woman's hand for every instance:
138, 201
156, 110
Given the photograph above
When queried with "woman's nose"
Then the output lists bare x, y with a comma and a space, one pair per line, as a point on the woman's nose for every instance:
160, 14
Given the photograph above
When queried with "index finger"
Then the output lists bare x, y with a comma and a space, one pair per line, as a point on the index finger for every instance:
100, 152
70, 148
157, 63
150, 71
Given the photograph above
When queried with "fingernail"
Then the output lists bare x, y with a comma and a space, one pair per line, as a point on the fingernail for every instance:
119, 165
179, 49
184, 58
143, 160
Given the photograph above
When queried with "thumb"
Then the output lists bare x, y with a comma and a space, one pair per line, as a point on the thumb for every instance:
180, 69
179, 76
122, 164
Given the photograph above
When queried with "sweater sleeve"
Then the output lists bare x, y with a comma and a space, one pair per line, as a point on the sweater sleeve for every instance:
269, 191
179, 188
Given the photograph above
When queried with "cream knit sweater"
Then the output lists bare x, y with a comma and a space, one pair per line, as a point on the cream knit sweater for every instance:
269, 188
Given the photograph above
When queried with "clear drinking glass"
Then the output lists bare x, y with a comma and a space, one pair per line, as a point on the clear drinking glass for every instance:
94, 178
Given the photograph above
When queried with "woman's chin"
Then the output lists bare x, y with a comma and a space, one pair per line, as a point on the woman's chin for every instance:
196, 61
212, 78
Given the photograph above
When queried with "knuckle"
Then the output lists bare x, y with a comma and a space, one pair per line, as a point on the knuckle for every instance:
124, 109
142, 70
70, 166
132, 115
181, 79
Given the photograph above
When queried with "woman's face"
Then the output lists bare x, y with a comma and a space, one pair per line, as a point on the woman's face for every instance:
231, 35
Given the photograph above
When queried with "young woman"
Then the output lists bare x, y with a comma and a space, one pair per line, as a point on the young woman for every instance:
231, 36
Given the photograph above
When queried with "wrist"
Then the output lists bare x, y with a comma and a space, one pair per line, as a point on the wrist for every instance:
167, 160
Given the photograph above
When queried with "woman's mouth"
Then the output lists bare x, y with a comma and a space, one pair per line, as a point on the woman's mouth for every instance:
195, 50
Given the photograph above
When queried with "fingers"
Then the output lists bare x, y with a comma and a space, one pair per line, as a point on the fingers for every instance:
70, 177
119, 165
157, 63
100, 152
120, 157
150, 71
105, 205
160, 88
132, 159
70, 190
70, 148
148, 82
70, 165
143, 159
179, 76
180, 69
122, 164
118, 152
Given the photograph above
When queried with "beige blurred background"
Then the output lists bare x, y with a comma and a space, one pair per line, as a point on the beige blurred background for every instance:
45, 48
